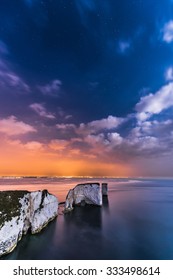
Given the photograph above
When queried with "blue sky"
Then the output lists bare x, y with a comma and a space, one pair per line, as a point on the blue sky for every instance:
88, 84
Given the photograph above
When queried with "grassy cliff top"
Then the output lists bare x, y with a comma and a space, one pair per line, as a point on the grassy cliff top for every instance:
10, 205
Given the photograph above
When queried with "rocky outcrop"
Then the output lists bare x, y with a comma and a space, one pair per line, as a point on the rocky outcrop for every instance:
104, 189
89, 193
23, 210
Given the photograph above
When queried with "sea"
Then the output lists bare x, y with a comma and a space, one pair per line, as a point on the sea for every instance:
134, 223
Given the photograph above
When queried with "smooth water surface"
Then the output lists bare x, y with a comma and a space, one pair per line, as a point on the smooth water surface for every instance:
135, 222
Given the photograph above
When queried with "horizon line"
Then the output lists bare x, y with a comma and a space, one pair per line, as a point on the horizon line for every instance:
83, 177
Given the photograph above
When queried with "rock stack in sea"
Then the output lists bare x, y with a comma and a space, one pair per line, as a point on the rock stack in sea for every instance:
104, 189
21, 211
89, 193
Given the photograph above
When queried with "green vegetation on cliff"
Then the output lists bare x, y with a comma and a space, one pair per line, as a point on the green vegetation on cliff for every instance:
10, 205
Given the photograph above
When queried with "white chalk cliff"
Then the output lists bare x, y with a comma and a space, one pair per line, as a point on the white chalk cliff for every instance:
21, 211
89, 193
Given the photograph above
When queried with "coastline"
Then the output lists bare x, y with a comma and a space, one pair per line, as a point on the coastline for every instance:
134, 223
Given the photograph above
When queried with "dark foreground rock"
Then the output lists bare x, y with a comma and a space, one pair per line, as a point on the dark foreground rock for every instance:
21, 211
89, 193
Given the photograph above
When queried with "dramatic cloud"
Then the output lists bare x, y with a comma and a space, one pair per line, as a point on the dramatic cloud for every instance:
158, 129
66, 130
32, 145
155, 103
101, 139
168, 32
11, 126
114, 139
89, 138
63, 114
51, 89
8, 78
41, 110
96, 141
58, 145
108, 123
169, 74
67, 126
84, 130
142, 146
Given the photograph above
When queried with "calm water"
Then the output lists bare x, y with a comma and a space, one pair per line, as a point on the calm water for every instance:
135, 222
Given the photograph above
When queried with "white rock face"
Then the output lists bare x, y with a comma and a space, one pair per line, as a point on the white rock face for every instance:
22, 210
84, 193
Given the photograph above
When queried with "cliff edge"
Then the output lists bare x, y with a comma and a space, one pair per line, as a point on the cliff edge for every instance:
21, 211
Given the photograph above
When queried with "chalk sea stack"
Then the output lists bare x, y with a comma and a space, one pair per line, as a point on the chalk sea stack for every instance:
89, 193
104, 189
21, 211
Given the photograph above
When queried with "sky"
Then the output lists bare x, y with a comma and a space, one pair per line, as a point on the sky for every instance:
86, 88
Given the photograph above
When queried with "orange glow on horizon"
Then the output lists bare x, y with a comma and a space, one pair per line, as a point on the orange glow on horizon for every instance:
29, 165
61, 168
17, 160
